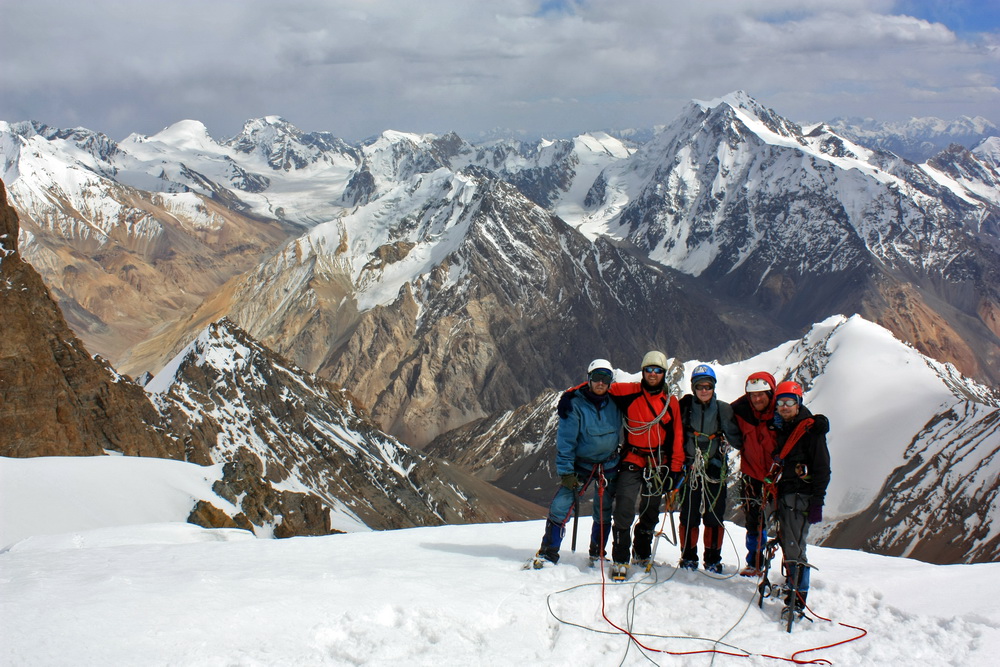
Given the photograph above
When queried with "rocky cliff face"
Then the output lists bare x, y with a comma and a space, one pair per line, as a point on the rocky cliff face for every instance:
55, 399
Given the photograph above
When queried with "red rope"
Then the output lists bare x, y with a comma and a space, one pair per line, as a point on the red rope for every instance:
794, 659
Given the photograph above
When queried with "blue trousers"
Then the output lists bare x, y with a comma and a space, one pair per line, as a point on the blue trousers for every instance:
561, 509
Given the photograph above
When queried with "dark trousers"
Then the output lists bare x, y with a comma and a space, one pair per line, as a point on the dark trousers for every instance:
793, 530
636, 491
704, 503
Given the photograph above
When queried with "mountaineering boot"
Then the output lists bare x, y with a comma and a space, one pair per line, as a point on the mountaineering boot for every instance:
642, 544
641, 563
599, 535
598, 540
713, 560
545, 558
621, 545
552, 538
689, 542
751, 571
712, 540
797, 576
619, 571
548, 553
689, 547
792, 613
794, 609
796, 590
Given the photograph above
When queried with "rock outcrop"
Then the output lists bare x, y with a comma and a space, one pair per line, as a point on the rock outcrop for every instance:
55, 399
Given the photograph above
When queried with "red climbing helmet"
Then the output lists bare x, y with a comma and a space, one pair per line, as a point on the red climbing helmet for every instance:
790, 388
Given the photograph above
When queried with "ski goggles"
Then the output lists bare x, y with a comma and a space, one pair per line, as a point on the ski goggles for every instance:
602, 377
654, 369
786, 402
704, 387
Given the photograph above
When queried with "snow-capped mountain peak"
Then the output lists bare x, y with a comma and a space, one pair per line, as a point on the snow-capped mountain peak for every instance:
190, 135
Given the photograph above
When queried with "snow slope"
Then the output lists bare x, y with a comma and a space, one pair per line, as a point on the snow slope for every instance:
174, 594
877, 391
51, 495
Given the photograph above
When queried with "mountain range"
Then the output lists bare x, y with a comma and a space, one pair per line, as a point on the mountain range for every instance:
297, 456
916, 139
445, 283
464, 261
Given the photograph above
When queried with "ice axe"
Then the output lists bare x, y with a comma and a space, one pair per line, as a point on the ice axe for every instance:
668, 510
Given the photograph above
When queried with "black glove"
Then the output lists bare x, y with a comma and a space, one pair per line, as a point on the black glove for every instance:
570, 481
676, 479
815, 513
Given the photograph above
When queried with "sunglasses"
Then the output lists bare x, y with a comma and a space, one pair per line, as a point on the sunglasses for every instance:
653, 369
703, 387
786, 402
601, 377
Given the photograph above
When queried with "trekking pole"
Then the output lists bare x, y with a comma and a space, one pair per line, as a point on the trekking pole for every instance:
673, 527
576, 520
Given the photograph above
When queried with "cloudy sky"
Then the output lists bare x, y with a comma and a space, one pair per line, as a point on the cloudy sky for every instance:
551, 67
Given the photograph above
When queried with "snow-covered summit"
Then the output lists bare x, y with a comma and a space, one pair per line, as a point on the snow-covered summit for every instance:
190, 135
456, 595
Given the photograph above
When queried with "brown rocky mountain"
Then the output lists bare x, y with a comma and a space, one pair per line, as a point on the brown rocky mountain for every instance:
121, 260
502, 316
55, 399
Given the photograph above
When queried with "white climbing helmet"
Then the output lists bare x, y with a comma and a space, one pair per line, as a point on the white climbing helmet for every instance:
600, 364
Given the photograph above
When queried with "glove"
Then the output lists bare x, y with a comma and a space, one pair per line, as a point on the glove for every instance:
676, 479
570, 481
815, 513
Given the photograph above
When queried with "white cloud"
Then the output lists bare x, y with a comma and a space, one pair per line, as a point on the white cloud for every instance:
356, 68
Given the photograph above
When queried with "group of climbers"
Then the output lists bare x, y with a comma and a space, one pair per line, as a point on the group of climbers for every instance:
639, 447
